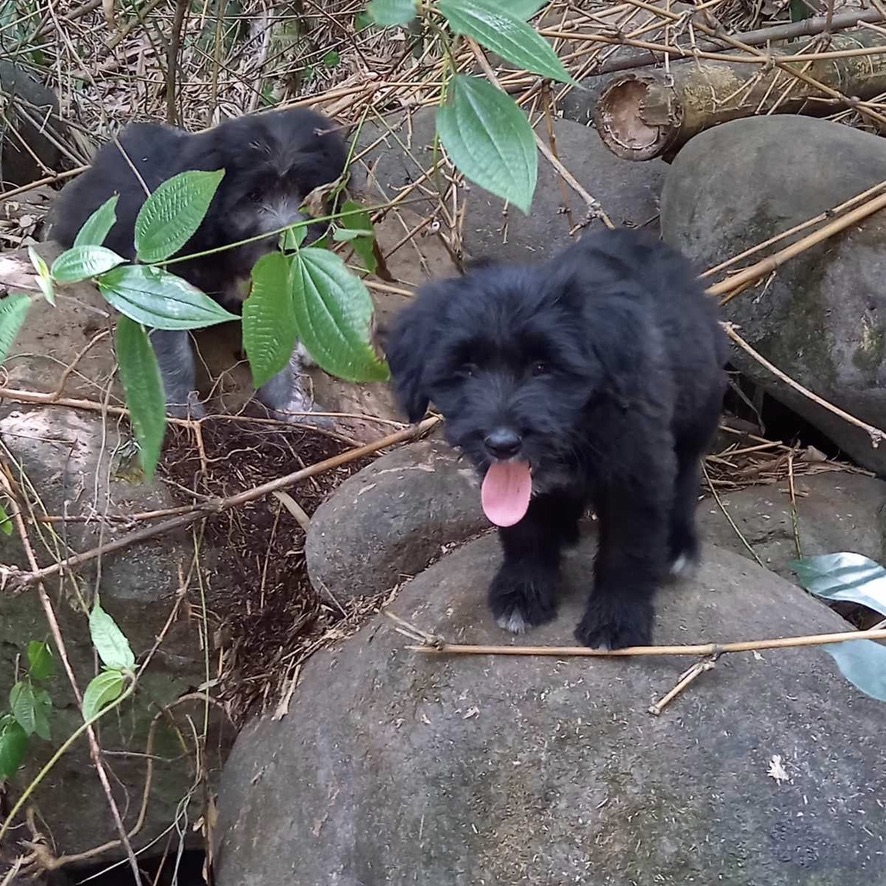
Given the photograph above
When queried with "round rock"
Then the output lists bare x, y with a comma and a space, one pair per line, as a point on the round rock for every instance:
822, 316
401, 148
400, 768
389, 520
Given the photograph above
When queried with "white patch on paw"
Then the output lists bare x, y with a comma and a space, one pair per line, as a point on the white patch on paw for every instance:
683, 567
570, 552
513, 623
305, 359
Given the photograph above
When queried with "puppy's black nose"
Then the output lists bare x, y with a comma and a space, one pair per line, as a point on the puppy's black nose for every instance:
503, 443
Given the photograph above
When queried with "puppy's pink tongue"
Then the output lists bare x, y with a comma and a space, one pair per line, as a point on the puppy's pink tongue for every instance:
506, 490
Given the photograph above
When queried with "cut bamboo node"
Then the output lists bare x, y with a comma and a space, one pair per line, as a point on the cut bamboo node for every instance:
638, 117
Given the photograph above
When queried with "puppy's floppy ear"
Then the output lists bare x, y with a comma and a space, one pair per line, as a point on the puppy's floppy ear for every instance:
408, 347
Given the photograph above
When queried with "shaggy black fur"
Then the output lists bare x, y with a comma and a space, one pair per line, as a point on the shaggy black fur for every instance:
604, 368
272, 162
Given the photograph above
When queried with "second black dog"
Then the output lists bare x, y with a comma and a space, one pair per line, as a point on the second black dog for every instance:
271, 161
597, 378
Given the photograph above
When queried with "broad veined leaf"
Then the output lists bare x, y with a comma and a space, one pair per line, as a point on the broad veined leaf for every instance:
110, 642
13, 311
293, 237
97, 227
13, 744
103, 689
489, 139
524, 9
82, 262
843, 577
23, 706
171, 215
391, 13
41, 664
269, 330
494, 26
333, 315
143, 385
160, 300
862, 663
44, 277
356, 229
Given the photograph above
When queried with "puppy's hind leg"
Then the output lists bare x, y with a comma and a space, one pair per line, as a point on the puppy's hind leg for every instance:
523, 593
286, 396
175, 357
683, 543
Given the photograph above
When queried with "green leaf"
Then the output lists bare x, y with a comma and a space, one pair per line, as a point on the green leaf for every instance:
494, 26
362, 20
5, 522
111, 644
160, 300
13, 311
143, 385
41, 664
97, 227
862, 663
23, 706
44, 277
356, 229
390, 13
13, 744
489, 139
82, 262
843, 577
101, 691
171, 215
269, 331
333, 315
524, 9
42, 710
293, 237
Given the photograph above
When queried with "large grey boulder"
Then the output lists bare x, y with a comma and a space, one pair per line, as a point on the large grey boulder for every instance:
396, 768
820, 318
389, 520
401, 148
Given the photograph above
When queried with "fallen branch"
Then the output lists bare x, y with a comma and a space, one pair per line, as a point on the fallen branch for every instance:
641, 116
217, 505
436, 646
809, 27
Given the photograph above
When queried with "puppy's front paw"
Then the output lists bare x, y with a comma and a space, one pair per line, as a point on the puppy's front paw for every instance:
521, 602
615, 623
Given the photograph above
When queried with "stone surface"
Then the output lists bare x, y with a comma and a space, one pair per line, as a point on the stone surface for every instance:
822, 317
628, 192
396, 768
30, 115
73, 461
389, 520
834, 512
78, 464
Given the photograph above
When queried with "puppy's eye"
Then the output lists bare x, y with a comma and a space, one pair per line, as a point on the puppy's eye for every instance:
466, 370
540, 368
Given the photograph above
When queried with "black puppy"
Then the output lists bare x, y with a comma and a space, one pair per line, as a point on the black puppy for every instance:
597, 378
271, 161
